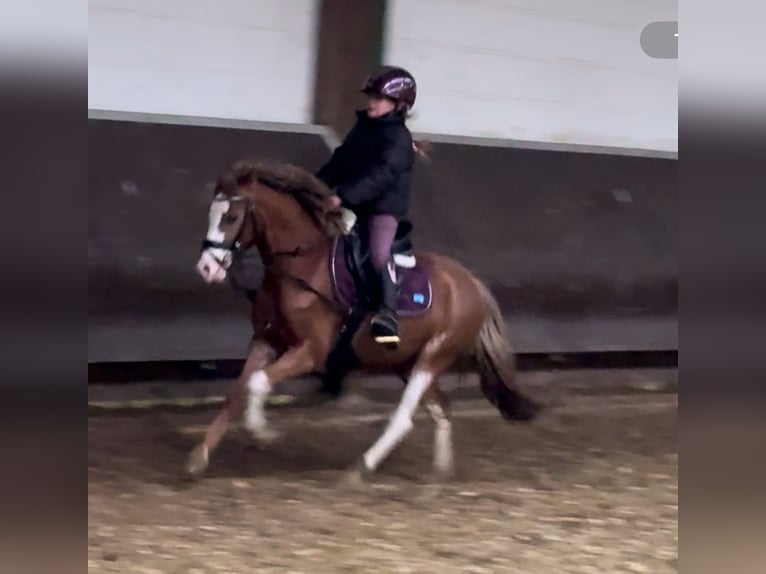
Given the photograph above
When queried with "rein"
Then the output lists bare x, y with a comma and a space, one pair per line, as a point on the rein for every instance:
298, 252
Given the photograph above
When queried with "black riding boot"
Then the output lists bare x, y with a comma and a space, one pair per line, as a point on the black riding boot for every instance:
385, 329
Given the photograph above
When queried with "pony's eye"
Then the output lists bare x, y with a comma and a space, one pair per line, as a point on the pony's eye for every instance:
229, 218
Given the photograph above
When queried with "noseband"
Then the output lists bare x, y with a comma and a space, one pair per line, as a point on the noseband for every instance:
233, 247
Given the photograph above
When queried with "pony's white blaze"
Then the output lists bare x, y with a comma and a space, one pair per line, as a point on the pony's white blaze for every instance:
210, 265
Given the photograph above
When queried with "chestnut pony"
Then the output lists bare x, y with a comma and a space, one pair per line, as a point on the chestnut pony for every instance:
283, 211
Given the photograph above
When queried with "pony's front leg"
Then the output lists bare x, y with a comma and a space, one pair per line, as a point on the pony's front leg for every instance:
296, 361
258, 357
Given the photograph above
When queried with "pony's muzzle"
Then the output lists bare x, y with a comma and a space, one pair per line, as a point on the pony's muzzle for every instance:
211, 269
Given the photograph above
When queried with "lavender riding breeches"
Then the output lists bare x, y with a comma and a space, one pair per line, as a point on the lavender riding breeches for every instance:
382, 231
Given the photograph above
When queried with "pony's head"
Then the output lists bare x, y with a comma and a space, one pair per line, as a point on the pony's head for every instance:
232, 215
229, 225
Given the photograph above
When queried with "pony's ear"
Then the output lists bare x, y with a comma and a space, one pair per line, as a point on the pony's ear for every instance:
241, 173
245, 178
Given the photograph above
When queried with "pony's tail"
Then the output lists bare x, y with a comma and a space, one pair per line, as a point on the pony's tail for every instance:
497, 371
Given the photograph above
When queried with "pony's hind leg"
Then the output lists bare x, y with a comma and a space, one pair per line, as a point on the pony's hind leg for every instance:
438, 407
436, 358
432, 363
400, 423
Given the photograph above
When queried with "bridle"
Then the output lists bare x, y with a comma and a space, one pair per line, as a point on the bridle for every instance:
234, 247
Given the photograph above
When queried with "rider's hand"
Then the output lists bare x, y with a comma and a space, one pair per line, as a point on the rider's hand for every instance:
334, 201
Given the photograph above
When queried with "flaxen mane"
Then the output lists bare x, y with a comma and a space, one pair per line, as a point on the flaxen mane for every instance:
310, 192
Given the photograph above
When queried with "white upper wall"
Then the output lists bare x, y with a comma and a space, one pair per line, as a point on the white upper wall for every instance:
560, 71
235, 59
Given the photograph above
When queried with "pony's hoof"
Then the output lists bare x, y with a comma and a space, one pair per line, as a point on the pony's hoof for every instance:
198, 460
356, 476
266, 435
443, 476
433, 491
353, 478
352, 401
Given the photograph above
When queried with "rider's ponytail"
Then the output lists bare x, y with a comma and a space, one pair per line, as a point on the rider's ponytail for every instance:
422, 149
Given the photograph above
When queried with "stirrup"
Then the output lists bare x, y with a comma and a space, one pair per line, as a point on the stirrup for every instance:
385, 330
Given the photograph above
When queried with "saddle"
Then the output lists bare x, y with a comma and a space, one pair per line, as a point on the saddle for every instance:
353, 278
353, 283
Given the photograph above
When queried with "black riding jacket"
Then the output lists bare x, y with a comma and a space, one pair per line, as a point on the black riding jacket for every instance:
372, 168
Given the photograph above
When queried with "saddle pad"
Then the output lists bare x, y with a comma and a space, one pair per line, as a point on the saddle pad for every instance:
414, 290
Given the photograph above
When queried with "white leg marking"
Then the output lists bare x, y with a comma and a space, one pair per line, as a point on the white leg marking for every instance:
255, 417
435, 344
401, 421
443, 456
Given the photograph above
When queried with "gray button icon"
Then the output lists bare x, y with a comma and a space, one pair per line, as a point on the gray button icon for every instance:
660, 40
